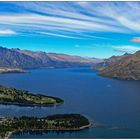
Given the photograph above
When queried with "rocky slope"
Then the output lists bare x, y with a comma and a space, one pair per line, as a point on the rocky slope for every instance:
107, 62
127, 68
17, 58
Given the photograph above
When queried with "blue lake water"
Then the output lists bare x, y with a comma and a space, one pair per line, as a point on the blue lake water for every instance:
113, 104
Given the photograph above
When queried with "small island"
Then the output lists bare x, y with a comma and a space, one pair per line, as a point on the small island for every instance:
25, 98
58, 122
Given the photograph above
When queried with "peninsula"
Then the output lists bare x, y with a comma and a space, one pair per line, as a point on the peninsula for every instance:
22, 97
11, 70
63, 122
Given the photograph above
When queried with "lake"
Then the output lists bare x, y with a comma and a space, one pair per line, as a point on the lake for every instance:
114, 105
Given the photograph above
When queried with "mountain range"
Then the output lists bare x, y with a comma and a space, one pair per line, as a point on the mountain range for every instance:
126, 68
17, 58
107, 62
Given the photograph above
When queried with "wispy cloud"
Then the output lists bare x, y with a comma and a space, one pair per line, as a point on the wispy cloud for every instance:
71, 19
126, 49
58, 35
135, 40
7, 32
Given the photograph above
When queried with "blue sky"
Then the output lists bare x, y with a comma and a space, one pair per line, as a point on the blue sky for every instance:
91, 29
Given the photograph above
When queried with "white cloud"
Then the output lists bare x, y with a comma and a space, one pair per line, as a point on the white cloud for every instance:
125, 14
135, 40
7, 32
45, 24
126, 49
74, 18
47, 21
58, 35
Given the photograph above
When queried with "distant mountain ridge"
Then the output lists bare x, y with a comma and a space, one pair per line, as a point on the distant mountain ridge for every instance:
127, 68
18, 58
108, 62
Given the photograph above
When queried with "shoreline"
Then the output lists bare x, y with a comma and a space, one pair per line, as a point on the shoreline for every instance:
8, 135
5, 70
31, 105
